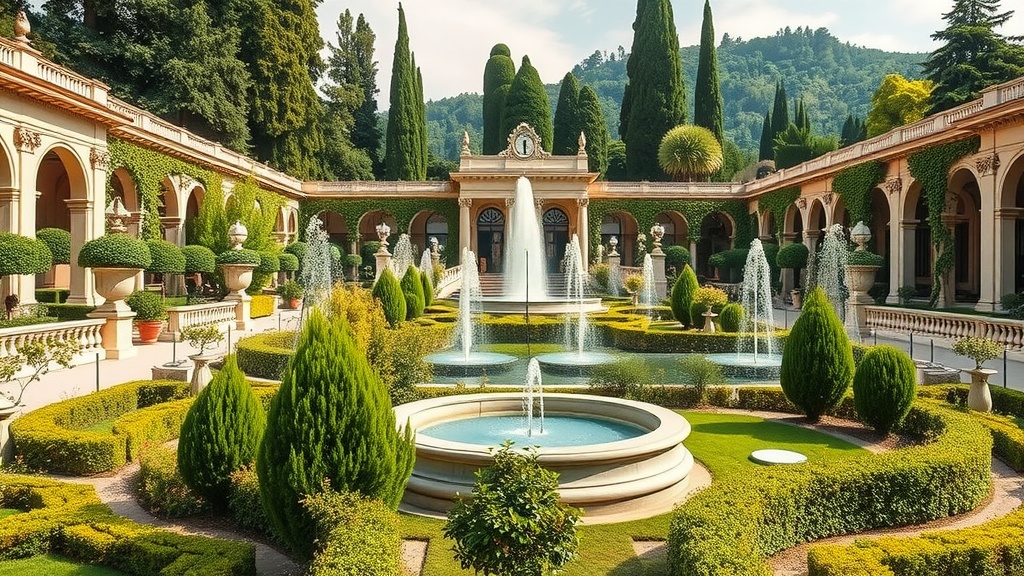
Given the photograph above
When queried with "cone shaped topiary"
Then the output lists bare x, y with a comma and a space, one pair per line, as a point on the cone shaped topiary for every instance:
682, 296
220, 435
412, 289
428, 288
731, 317
817, 361
331, 420
884, 387
388, 291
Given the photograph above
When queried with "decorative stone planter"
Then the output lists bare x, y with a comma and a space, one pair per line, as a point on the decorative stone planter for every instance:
860, 279
114, 285
237, 277
978, 397
201, 376
294, 303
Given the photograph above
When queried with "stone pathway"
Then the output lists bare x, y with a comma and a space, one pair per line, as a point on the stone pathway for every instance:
414, 553
118, 492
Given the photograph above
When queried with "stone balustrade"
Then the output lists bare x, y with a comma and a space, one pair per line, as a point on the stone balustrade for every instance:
1009, 333
449, 283
85, 332
181, 317
671, 189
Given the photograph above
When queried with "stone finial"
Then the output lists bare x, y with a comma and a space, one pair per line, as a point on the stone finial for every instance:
22, 27
860, 235
583, 145
237, 234
116, 215
465, 143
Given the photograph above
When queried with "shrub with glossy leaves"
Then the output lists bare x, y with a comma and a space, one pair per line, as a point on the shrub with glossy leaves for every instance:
58, 240
515, 523
220, 435
199, 259
116, 250
683, 290
412, 289
389, 292
23, 255
731, 317
884, 387
817, 360
166, 257
331, 420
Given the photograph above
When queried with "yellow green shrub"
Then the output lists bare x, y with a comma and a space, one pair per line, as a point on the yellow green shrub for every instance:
262, 305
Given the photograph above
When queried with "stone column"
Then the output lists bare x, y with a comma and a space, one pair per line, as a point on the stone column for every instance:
464, 227
83, 288
947, 290
907, 275
1005, 236
583, 215
10, 207
174, 232
693, 257
23, 210
660, 281
788, 276
988, 299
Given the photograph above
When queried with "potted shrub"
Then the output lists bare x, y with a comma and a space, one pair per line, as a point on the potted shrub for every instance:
291, 293
150, 314
201, 337
633, 284
861, 267
980, 350
237, 266
115, 259
289, 265
22, 255
353, 262
793, 256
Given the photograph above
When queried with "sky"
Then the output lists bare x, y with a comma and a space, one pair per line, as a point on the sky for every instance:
453, 38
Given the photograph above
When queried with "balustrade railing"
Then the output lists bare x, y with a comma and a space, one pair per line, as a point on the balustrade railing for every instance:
86, 333
181, 317
1009, 333
449, 283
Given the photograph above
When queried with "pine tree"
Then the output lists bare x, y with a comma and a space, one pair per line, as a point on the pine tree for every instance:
412, 289
331, 420
220, 434
404, 152
388, 290
767, 147
366, 134
527, 101
655, 98
345, 96
567, 123
499, 73
972, 56
780, 111
594, 128
707, 100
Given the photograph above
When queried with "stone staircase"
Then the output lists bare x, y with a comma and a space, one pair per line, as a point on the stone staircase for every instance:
492, 284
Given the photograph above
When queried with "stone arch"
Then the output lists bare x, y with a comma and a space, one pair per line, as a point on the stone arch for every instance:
881, 222
125, 188
766, 225
427, 224
555, 226
963, 214
839, 214
293, 222
336, 227
6, 166
677, 230
624, 227
793, 225
489, 241
367, 226
717, 233
1010, 228
61, 202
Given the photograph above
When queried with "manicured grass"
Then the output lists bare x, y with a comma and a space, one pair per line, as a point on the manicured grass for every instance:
722, 442
52, 565
520, 349
5, 512
104, 427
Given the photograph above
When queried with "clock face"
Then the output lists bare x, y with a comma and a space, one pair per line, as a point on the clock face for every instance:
523, 146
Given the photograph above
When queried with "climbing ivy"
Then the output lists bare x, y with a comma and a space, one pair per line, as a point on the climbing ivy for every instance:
931, 167
776, 203
854, 186
644, 211
403, 209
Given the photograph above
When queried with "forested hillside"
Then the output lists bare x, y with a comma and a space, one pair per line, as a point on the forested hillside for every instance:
834, 79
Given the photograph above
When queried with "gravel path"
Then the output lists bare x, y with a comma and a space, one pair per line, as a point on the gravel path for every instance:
118, 492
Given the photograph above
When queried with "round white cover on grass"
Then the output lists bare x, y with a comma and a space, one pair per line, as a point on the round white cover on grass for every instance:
773, 456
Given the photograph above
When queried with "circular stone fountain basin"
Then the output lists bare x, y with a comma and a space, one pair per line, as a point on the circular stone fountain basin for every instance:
611, 481
557, 430
503, 305
746, 365
457, 363
574, 363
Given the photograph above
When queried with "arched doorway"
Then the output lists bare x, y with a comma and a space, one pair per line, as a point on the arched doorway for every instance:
963, 213
337, 230
922, 244
556, 236
716, 235
676, 232
623, 226
424, 226
879, 242
61, 203
490, 240
816, 223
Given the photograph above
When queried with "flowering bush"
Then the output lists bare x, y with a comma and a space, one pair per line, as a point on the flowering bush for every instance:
978, 349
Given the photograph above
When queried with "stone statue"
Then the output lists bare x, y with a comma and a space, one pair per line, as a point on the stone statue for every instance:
22, 28
583, 144
465, 143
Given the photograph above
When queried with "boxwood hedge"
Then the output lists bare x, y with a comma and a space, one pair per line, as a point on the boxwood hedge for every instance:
265, 355
262, 305
58, 240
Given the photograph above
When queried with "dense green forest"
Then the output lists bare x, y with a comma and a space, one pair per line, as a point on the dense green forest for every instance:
834, 79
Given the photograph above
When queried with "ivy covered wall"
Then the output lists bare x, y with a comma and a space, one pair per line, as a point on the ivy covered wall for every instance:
403, 209
854, 186
776, 203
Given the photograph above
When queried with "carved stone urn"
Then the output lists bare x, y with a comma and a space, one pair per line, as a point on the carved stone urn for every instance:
114, 284
979, 397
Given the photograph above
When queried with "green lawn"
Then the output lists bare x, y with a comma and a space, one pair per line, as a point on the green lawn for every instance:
104, 427
5, 512
722, 442
52, 565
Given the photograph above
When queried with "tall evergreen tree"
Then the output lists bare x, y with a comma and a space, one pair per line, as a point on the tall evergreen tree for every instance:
655, 98
366, 134
802, 120
567, 122
345, 96
780, 111
767, 151
332, 420
707, 99
404, 152
499, 73
594, 128
527, 101
972, 56
421, 119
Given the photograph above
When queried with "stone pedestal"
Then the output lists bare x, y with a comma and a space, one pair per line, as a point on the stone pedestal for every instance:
383, 261
860, 279
243, 310
202, 376
116, 334
979, 397
660, 281
237, 278
181, 373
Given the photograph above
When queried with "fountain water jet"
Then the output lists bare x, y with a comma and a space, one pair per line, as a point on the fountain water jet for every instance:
402, 257
648, 295
524, 251
533, 390
830, 269
316, 266
426, 262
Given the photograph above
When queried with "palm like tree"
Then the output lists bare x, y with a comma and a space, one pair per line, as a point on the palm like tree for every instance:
688, 153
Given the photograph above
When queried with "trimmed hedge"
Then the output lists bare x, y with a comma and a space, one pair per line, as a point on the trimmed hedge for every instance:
69, 312
1007, 434
269, 263
243, 256
265, 355
733, 528
70, 519
23, 255
262, 305
166, 257
54, 439
199, 259
58, 240
288, 262
52, 295
116, 250
884, 387
995, 547
20, 321
731, 317
634, 338
358, 536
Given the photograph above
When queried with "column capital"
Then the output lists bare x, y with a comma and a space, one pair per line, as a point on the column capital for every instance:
583, 202
893, 185
465, 202
171, 222
79, 204
986, 163
1001, 213
10, 194
99, 159
509, 202
26, 140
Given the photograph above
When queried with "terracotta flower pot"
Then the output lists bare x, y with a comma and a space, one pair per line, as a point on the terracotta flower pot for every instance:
294, 303
149, 330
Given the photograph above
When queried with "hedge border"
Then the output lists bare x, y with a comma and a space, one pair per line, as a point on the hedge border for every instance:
261, 356
71, 519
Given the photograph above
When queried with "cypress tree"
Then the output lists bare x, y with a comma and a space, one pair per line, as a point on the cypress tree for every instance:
421, 120
498, 75
655, 97
220, 434
780, 111
404, 149
331, 420
682, 295
817, 360
389, 292
567, 122
527, 101
412, 290
707, 100
428, 288
365, 131
767, 147
884, 387
593, 126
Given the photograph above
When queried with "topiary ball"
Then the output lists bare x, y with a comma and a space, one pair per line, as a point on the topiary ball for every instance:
243, 256
792, 256
297, 249
199, 259
166, 257
289, 262
23, 255
884, 387
116, 250
58, 241
269, 263
731, 317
